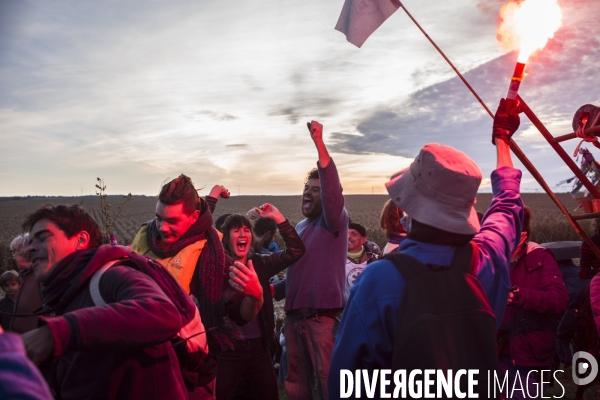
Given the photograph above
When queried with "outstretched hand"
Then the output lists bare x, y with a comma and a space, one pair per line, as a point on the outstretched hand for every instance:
270, 211
219, 190
506, 122
244, 279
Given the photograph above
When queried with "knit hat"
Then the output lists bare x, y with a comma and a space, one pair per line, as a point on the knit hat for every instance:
358, 228
438, 189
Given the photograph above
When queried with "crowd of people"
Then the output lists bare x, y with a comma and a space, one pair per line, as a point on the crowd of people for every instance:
186, 310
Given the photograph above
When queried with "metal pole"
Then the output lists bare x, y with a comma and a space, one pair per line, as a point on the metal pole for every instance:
559, 150
591, 131
534, 172
521, 156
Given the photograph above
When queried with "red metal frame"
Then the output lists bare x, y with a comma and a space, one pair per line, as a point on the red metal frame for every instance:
554, 142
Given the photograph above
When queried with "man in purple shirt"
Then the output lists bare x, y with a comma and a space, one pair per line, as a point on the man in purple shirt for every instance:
438, 191
314, 292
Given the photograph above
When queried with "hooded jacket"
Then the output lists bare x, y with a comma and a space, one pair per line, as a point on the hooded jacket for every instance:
531, 320
118, 351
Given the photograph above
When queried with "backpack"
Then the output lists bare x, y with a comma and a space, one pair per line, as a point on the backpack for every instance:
445, 321
190, 343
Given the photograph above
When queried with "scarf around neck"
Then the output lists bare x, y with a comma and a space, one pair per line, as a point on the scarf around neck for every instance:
66, 277
207, 282
356, 256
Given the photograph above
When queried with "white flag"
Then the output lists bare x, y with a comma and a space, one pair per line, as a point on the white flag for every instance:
360, 18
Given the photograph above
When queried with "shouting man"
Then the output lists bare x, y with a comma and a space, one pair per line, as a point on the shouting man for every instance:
315, 283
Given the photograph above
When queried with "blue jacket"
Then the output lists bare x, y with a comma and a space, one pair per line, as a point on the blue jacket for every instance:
366, 332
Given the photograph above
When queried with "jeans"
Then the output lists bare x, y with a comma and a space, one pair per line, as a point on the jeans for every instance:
309, 343
567, 330
250, 360
283, 368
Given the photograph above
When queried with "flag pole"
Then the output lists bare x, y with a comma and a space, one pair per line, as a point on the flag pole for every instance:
448, 61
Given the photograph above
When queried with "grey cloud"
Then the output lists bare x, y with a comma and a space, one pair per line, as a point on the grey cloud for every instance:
238, 145
210, 114
305, 105
293, 114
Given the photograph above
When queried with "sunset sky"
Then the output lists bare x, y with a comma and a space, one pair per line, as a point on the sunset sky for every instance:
140, 91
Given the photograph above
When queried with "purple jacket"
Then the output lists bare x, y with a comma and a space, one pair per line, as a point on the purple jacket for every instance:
118, 351
532, 319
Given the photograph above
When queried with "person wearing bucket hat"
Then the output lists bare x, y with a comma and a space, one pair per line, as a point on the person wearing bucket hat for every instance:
438, 190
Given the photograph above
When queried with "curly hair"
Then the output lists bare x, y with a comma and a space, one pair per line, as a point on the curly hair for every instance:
312, 174
71, 219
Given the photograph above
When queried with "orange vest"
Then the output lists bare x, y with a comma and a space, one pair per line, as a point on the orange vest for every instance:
182, 265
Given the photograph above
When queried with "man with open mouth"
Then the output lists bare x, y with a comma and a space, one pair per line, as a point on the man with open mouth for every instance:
316, 283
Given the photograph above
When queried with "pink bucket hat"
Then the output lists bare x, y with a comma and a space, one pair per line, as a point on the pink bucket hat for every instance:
438, 189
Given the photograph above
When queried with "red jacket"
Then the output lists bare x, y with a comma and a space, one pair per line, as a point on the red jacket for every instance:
117, 351
528, 331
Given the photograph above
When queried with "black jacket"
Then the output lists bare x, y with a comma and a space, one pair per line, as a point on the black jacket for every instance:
268, 265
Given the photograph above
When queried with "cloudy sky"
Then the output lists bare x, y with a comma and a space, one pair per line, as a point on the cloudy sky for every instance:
140, 91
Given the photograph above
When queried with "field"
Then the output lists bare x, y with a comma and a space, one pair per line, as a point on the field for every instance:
548, 223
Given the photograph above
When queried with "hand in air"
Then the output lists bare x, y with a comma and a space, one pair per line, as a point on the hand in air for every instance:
316, 131
219, 191
270, 211
506, 122
244, 279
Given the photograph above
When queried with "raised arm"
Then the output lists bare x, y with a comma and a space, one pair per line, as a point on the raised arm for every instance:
295, 249
316, 134
336, 217
506, 123
213, 197
502, 223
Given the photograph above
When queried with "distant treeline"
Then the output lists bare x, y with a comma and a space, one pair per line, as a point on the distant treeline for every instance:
88, 196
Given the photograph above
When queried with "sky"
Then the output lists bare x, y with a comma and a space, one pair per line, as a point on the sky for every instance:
139, 92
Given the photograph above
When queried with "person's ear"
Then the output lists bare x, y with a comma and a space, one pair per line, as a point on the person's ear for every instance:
82, 240
194, 216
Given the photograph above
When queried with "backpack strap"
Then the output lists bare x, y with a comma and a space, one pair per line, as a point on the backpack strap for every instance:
408, 266
95, 283
465, 260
